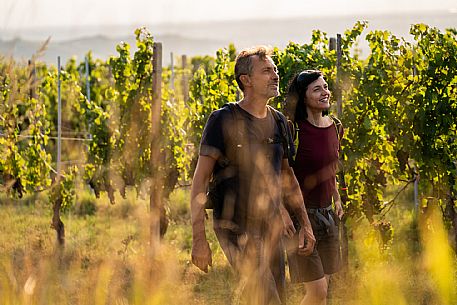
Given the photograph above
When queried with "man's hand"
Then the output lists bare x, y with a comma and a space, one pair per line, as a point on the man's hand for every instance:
289, 228
306, 241
201, 254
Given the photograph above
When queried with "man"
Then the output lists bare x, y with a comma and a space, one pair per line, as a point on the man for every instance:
242, 146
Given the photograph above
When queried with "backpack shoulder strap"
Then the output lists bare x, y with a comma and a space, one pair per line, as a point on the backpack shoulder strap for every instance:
224, 161
338, 127
293, 129
232, 108
283, 127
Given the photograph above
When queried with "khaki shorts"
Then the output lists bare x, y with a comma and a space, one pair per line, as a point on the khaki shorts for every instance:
325, 258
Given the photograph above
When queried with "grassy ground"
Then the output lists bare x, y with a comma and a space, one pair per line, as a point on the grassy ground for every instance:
105, 260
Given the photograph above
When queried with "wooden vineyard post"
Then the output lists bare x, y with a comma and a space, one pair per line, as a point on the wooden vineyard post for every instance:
335, 44
185, 79
155, 200
339, 100
332, 43
57, 223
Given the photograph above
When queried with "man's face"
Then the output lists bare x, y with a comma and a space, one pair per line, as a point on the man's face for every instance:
264, 78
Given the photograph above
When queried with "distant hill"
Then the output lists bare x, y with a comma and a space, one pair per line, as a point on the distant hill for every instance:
103, 47
205, 38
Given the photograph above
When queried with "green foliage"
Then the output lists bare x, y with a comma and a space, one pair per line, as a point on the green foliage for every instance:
120, 151
175, 118
435, 101
210, 90
24, 166
399, 113
400, 84
295, 58
63, 190
400, 118
133, 97
85, 206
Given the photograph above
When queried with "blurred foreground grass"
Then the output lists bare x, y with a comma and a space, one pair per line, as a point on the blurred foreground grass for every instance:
105, 259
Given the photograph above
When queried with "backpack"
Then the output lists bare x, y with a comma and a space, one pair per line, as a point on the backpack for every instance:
217, 185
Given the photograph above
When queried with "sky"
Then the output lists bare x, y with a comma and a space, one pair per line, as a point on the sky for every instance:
76, 26
16, 15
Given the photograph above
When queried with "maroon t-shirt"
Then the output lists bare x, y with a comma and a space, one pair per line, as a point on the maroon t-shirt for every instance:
316, 163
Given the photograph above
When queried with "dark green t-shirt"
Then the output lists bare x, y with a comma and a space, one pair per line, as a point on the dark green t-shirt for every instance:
254, 150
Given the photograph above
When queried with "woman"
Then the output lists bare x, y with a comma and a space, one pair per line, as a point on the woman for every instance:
315, 168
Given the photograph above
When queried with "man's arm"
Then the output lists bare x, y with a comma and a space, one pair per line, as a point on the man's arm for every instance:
201, 252
294, 201
289, 229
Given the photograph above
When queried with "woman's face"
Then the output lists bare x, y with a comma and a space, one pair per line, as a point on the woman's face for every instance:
317, 97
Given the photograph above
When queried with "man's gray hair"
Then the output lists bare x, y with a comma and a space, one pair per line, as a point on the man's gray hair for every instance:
243, 62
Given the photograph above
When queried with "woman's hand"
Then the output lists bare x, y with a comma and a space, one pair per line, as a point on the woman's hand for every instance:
339, 209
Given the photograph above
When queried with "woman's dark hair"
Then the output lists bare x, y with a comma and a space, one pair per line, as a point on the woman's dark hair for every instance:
297, 93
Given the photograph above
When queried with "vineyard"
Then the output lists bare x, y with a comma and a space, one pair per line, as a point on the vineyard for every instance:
127, 129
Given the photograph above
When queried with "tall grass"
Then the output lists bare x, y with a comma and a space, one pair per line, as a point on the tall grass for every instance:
417, 267
106, 259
